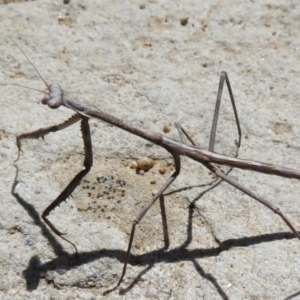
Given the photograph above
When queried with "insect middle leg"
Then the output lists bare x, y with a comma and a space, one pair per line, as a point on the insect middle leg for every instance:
139, 217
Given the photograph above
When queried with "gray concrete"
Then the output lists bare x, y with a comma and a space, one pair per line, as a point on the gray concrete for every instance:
144, 66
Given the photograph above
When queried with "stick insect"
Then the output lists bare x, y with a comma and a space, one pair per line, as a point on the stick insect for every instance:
54, 97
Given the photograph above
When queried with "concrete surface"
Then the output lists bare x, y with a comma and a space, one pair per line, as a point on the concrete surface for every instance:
135, 59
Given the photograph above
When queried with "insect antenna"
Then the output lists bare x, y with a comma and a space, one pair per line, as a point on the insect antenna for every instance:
31, 64
25, 87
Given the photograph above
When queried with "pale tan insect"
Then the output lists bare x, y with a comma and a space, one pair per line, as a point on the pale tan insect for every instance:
55, 98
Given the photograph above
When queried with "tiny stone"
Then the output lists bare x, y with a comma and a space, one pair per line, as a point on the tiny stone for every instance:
167, 129
184, 21
162, 170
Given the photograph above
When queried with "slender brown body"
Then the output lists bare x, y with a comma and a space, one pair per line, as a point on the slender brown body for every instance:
55, 97
180, 148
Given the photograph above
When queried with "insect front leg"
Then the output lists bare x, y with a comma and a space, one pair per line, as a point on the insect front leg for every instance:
88, 162
40, 133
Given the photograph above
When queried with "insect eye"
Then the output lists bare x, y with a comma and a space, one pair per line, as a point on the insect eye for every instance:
46, 99
54, 103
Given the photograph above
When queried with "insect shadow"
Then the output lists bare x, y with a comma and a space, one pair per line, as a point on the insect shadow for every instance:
37, 269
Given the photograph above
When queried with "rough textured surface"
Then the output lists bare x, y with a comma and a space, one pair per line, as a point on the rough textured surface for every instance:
136, 60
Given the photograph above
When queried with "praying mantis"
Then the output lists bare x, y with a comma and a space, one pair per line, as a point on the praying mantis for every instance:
54, 98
